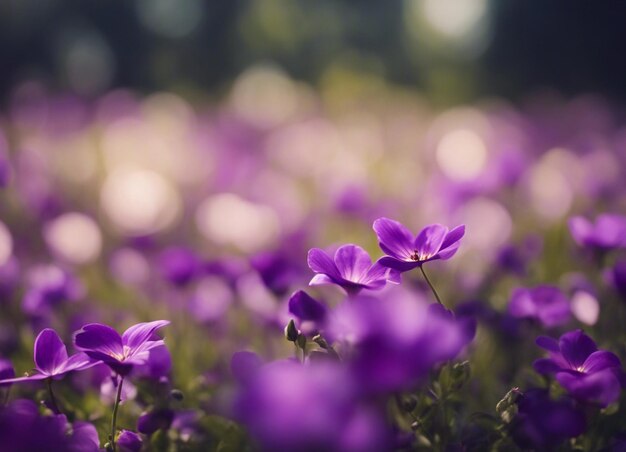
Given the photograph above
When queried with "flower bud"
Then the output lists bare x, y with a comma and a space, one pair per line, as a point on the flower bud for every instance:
291, 332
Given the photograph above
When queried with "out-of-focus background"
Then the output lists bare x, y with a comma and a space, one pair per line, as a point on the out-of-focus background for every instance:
451, 50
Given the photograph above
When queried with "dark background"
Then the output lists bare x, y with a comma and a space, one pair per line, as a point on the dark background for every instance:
570, 47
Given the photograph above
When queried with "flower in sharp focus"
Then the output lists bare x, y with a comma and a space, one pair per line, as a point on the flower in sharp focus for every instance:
351, 269
588, 374
608, 231
547, 304
120, 353
404, 251
52, 360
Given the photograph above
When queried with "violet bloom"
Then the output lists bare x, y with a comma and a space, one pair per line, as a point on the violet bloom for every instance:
22, 429
51, 359
179, 265
542, 423
609, 231
129, 441
546, 304
120, 353
406, 251
395, 340
288, 406
308, 309
588, 374
351, 269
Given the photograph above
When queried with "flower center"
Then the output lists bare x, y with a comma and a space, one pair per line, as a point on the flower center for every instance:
417, 257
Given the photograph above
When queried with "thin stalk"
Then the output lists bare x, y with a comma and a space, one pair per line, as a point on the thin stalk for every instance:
431, 285
53, 400
118, 397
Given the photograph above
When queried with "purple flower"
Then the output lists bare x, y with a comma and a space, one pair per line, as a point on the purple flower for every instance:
406, 252
289, 406
395, 340
307, 308
51, 359
588, 374
22, 428
609, 231
120, 353
542, 423
547, 304
179, 265
351, 269
129, 441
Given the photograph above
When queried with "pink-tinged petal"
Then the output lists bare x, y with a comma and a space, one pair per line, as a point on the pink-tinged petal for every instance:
50, 352
34, 377
601, 360
320, 262
398, 265
320, 279
548, 343
449, 251
429, 240
546, 366
580, 228
394, 239
352, 261
136, 335
99, 338
575, 347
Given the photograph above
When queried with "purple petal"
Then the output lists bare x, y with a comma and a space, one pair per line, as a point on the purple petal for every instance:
398, 265
548, 343
453, 237
33, 377
394, 239
321, 279
429, 240
50, 352
129, 441
352, 261
377, 274
575, 347
601, 387
136, 335
320, 262
610, 230
102, 339
546, 366
580, 228
601, 360
79, 361
305, 307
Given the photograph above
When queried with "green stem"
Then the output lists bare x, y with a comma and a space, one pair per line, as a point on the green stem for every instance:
53, 400
118, 397
431, 286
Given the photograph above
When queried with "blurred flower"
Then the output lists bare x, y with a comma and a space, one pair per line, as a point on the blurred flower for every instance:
48, 286
546, 304
588, 374
120, 353
617, 276
406, 252
608, 231
23, 429
394, 340
128, 441
542, 423
179, 265
6, 370
51, 359
288, 406
308, 309
351, 269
